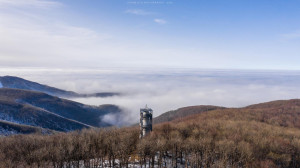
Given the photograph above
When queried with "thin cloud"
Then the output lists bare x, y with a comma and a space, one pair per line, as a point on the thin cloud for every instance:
160, 21
138, 12
29, 3
291, 36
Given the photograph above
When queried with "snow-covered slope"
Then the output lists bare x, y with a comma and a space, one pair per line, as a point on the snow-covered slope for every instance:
41, 110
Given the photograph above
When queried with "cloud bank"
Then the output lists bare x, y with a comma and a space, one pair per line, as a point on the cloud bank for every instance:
170, 89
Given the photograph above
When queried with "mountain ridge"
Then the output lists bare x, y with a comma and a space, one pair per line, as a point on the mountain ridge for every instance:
282, 113
20, 83
184, 112
39, 109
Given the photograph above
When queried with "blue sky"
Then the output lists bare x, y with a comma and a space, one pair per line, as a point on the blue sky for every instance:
228, 34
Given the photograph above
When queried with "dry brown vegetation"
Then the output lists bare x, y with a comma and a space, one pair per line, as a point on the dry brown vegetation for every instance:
183, 112
265, 135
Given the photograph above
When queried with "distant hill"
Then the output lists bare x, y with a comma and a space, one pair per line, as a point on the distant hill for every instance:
19, 83
276, 104
283, 113
42, 110
184, 112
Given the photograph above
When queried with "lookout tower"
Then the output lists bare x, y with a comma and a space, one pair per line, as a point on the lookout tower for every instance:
145, 121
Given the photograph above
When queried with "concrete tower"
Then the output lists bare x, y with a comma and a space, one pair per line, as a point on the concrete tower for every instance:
145, 121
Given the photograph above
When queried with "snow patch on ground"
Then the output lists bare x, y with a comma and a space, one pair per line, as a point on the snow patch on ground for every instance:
1, 86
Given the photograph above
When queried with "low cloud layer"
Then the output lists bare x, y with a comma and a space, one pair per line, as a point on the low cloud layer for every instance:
171, 89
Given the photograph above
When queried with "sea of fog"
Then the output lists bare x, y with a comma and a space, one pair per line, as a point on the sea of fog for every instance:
168, 89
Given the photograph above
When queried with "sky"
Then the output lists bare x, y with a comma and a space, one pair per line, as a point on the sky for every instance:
164, 53
90, 34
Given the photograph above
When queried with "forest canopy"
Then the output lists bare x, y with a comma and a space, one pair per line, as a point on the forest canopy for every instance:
255, 136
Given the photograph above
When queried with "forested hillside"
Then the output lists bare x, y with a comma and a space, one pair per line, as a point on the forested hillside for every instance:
264, 136
183, 112
24, 107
